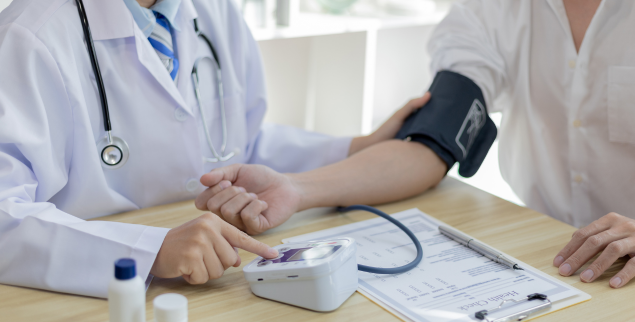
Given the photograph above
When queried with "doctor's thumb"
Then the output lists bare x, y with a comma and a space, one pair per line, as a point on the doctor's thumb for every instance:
215, 176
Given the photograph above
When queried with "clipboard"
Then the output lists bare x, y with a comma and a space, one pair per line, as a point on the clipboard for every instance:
555, 306
516, 315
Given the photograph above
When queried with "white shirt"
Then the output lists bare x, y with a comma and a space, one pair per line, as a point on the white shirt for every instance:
51, 177
567, 138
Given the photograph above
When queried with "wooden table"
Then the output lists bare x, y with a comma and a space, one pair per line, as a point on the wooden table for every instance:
525, 234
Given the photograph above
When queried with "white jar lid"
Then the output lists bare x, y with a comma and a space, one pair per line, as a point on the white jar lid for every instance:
170, 307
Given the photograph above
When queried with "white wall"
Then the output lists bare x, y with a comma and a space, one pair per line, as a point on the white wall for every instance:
402, 69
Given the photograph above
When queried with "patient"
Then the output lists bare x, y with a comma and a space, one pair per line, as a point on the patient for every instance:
567, 143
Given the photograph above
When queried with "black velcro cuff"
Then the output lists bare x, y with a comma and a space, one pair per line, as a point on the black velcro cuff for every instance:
456, 120
442, 153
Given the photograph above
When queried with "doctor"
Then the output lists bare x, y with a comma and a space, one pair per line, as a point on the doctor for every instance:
70, 151
565, 73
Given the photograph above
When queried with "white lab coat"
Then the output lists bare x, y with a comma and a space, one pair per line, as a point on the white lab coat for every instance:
567, 138
51, 178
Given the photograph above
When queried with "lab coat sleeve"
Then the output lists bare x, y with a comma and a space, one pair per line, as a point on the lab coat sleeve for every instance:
289, 149
282, 148
40, 245
465, 42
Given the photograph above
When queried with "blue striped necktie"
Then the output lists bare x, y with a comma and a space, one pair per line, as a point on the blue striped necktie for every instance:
161, 40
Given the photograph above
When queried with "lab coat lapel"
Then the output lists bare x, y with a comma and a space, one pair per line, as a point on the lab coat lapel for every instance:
148, 58
187, 45
111, 19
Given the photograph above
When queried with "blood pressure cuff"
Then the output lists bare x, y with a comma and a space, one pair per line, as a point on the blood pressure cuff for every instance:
454, 123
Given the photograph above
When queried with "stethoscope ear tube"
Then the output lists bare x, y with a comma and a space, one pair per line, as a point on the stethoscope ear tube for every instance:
393, 270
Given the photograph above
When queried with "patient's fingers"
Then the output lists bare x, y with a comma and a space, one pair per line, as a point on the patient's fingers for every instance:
230, 211
217, 175
215, 203
251, 216
203, 197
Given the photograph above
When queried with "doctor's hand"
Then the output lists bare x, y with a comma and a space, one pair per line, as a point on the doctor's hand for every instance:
203, 248
271, 200
614, 236
389, 129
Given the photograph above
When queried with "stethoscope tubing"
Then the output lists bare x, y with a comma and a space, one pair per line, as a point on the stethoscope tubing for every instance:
221, 95
390, 270
95, 63
219, 81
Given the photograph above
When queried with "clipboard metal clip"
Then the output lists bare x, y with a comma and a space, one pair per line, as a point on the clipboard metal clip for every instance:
545, 303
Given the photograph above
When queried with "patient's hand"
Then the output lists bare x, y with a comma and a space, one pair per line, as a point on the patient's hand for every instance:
271, 200
614, 236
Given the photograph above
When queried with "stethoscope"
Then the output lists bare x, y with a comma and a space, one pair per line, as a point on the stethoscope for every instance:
114, 151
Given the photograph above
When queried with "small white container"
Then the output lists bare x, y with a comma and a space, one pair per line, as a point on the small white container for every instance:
126, 293
170, 307
317, 275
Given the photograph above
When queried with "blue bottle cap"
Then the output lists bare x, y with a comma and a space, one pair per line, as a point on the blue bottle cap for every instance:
125, 269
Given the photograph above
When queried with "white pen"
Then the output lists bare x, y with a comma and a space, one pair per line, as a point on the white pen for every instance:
480, 248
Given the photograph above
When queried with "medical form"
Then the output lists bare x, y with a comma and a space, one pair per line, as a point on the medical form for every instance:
451, 283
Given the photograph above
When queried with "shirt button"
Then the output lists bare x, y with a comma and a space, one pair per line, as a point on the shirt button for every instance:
577, 123
572, 64
192, 185
578, 178
180, 114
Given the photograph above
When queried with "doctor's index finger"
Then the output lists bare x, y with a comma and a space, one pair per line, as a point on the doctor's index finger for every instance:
238, 238
217, 175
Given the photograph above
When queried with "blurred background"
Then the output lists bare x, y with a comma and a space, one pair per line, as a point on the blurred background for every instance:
342, 67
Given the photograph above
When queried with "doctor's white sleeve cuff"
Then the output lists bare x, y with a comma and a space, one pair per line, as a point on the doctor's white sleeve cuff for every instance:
338, 150
147, 248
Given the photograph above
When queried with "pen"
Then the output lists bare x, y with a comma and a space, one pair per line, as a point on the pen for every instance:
480, 248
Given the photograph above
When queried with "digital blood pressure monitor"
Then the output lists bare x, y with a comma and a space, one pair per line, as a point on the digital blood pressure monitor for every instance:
317, 275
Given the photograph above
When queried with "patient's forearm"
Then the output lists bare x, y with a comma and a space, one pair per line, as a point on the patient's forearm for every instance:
384, 172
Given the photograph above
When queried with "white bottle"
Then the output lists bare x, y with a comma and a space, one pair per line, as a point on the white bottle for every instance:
126, 293
170, 307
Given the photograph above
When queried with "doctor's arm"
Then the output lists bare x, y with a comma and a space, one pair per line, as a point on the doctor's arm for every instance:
44, 247
388, 130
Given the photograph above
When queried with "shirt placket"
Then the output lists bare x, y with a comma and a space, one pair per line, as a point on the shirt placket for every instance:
579, 179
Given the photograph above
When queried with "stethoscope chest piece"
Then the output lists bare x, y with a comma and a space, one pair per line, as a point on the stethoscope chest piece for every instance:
113, 152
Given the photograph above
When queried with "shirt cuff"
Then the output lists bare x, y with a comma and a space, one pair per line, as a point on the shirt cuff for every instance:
338, 150
147, 248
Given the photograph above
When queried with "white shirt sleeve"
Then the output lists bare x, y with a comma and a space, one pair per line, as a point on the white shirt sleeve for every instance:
40, 245
465, 43
282, 148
